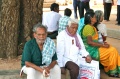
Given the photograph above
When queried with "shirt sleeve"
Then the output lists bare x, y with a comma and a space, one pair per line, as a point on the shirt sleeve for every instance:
102, 29
60, 49
82, 51
54, 57
27, 52
88, 30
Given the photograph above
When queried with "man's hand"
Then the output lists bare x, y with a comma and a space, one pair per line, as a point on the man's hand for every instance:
88, 59
106, 45
47, 71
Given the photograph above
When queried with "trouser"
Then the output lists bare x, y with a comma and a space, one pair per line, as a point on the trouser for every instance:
53, 35
73, 69
83, 5
107, 10
118, 14
75, 5
55, 73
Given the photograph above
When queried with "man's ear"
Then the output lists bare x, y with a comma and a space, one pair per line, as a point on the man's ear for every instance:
34, 35
46, 34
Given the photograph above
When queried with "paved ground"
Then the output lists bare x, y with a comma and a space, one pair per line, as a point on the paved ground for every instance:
113, 31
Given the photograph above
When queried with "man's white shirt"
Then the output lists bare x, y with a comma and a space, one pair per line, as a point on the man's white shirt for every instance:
68, 52
51, 20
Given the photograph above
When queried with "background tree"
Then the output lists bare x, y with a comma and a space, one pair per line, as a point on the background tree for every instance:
17, 20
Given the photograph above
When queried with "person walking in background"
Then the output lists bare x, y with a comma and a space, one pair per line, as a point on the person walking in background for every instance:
84, 4
64, 20
107, 8
118, 12
76, 4
51, 20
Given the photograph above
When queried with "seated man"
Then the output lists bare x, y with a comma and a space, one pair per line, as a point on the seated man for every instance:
39, 56
51, 20
70, 48
64, 20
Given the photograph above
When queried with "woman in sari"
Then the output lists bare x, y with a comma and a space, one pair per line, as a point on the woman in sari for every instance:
100, 26
103, 52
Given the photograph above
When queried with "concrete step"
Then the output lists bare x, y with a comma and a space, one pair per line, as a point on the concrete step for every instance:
11, 74
14, 74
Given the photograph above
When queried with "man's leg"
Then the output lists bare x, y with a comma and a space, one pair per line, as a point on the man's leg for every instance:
79, 8
53, 36
55, 72
82, 4
118, 16
87, 6
108, 10
73, 69
105, 12
32, 73
75, 9
109, 6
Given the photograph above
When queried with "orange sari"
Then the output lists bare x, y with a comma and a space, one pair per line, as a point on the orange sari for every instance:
108, 57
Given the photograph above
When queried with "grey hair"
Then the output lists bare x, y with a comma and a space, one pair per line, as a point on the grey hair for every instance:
75, 21
39, 25
98, 14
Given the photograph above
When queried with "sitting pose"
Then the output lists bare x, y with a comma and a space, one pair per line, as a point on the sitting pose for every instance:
105, 53
70, 49
39, 56
81, 21
51, 20
64, 20
100, 26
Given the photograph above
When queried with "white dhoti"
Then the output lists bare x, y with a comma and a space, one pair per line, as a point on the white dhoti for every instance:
55, 73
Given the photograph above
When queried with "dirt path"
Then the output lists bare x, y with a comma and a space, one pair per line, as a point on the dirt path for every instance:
12, 64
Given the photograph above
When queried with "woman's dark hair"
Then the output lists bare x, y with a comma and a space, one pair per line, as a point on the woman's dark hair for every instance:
54, 6
67, 12
88, 16
89, 10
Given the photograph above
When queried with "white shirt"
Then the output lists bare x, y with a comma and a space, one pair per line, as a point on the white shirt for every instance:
102, 29
51, 20
68, 52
